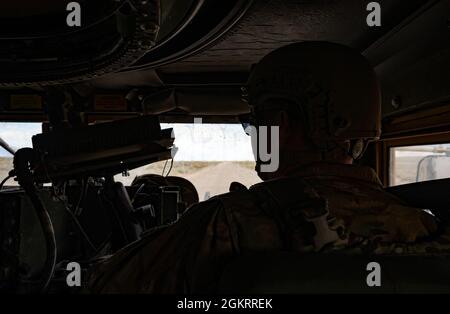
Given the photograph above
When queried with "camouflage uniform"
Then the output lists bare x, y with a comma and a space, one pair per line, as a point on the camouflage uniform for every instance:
281, 214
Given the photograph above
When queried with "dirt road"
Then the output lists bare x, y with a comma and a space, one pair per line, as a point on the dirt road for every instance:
216, 179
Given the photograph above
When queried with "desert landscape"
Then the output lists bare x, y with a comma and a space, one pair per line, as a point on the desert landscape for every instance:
6, 164
210, 178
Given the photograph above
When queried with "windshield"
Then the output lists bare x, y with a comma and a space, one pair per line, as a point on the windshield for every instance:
16, 135
211, 156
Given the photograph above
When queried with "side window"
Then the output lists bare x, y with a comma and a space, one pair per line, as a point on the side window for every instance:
409, 164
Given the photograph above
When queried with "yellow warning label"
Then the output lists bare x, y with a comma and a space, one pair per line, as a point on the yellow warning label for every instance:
27, 102
110, 103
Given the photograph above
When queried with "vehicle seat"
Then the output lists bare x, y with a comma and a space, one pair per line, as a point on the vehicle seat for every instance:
294, 273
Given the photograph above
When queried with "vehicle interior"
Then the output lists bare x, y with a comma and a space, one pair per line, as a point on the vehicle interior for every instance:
95, 101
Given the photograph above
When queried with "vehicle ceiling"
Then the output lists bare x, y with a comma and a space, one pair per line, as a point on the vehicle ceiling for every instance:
410, 49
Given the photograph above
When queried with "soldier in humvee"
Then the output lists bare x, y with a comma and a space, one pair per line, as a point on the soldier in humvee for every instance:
325, 99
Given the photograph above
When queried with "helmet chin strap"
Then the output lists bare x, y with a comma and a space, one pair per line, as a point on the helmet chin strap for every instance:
355, 150
325, 150
358, 148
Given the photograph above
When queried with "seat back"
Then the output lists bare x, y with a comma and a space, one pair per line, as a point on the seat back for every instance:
293, 273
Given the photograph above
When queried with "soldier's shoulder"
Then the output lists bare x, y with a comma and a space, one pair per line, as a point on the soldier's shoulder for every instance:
249, 199
226, 201
235, 199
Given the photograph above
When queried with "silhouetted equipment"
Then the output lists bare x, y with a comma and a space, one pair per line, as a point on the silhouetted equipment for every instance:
6, 146
52, 51
94, 151
101, 150
23, 172
160, 200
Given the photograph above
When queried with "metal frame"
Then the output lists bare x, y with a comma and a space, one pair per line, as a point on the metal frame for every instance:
421, 127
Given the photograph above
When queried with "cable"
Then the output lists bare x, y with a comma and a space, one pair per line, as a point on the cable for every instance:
116, 216
4, 181
80, 227
22, 162
164, 169
137, 192
49, 233
170, 169
72, 215
103, 245
84, 190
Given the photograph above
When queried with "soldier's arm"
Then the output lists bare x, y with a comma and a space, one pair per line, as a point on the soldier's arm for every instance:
184, 257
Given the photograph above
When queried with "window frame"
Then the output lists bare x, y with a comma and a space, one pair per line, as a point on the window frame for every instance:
423, 125
384, 150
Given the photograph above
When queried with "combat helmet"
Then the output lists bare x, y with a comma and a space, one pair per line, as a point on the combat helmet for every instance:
334, 87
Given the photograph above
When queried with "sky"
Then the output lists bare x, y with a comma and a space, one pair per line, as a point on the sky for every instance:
195, 142
17, 135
